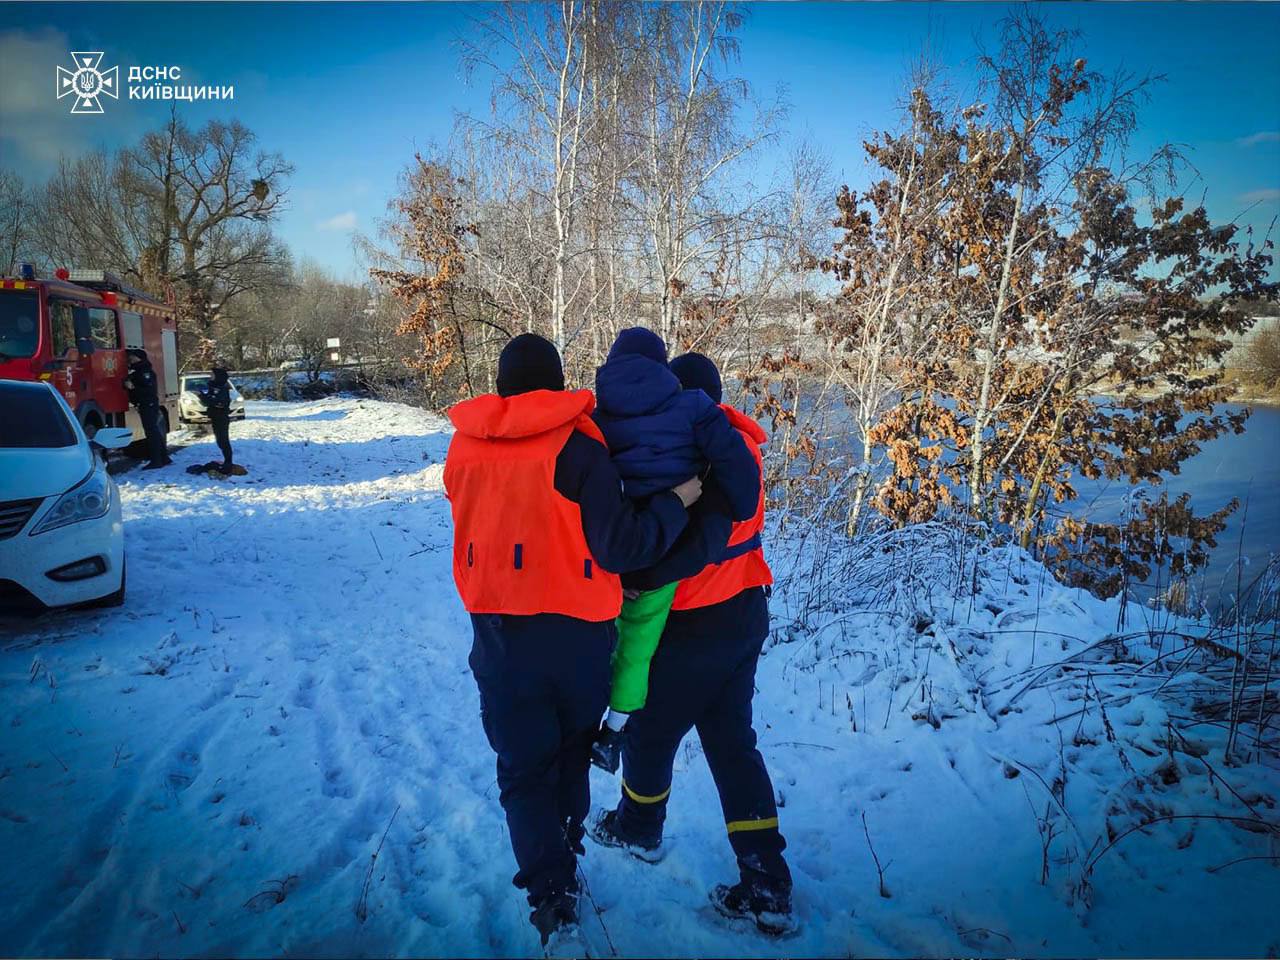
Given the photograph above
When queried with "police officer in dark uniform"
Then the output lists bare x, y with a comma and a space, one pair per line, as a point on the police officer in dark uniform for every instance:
216, 397
141, 386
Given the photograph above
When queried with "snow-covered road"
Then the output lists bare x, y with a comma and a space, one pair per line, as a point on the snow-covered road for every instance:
211, 769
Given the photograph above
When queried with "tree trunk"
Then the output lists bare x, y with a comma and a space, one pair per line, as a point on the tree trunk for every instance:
982, 413
1029, 512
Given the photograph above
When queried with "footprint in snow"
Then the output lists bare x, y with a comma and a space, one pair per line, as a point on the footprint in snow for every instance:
184, 772
305, 696
335, 784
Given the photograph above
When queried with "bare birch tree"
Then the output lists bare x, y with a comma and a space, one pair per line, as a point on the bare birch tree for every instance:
889, 264
540, 57
686, 123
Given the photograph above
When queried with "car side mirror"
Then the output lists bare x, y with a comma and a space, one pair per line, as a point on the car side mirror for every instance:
112, 438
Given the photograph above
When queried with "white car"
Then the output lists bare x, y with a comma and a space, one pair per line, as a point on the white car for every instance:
61, 535
190, 407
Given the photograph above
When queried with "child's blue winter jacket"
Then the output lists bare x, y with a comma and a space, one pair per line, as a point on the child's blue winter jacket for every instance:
659, 434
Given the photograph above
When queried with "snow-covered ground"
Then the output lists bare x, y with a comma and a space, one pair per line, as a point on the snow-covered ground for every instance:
211, 769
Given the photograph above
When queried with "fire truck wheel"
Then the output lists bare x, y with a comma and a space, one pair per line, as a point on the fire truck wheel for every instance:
91, 425
164, 420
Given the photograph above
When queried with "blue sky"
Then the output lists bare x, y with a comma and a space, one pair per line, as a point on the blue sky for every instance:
347, 92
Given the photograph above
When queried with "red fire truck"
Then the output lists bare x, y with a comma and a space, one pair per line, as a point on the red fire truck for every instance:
73, 331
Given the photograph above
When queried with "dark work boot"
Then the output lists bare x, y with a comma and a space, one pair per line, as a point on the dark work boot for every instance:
769, 906
606, 831
556, 918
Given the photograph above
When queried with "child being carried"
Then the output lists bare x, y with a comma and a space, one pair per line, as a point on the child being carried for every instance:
659, 435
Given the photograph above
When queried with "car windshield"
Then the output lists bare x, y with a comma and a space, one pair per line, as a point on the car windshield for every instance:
196, 384
19, 323
32, 418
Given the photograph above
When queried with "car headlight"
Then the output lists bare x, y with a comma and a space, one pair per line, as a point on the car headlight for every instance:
87, 500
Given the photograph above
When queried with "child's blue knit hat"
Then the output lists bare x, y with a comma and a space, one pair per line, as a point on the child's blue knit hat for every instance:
642, 341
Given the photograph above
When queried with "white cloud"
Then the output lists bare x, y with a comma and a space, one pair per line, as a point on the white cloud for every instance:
343, 221
30, 58
1262, 136
1268, 195
34, 124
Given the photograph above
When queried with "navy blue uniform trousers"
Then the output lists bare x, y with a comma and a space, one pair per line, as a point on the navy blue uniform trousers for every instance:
544, 683
220, 420
703, 678
153, 430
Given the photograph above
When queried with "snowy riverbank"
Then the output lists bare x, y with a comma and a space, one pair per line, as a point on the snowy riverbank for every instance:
210, 769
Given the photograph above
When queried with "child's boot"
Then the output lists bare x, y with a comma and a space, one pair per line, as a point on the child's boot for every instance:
606, 751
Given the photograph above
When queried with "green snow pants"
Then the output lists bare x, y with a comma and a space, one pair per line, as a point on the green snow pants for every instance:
640, 626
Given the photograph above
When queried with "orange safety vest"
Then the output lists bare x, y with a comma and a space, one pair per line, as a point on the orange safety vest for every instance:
518, 545
742, 564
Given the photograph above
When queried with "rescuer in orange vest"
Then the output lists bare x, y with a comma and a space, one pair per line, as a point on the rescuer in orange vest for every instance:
703, 676
541, 533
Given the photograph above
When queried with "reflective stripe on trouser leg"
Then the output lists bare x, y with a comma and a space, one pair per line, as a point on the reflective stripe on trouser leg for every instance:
762, 823
640, 817
641, 798
642, 812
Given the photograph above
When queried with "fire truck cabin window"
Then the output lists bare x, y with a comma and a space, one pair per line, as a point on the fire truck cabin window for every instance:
63, 322
103, 324
19, 324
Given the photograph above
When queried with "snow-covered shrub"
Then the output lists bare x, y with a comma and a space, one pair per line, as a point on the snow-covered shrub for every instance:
1128, 728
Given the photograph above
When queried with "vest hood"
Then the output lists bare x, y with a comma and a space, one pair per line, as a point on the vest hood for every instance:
744, 424
491, 417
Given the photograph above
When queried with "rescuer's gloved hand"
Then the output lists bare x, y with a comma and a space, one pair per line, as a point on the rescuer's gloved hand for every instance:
689, 491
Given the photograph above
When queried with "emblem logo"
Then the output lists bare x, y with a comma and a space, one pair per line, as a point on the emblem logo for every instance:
87, 83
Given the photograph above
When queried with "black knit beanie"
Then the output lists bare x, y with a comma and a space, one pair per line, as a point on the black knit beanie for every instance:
696, 372
529, 362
